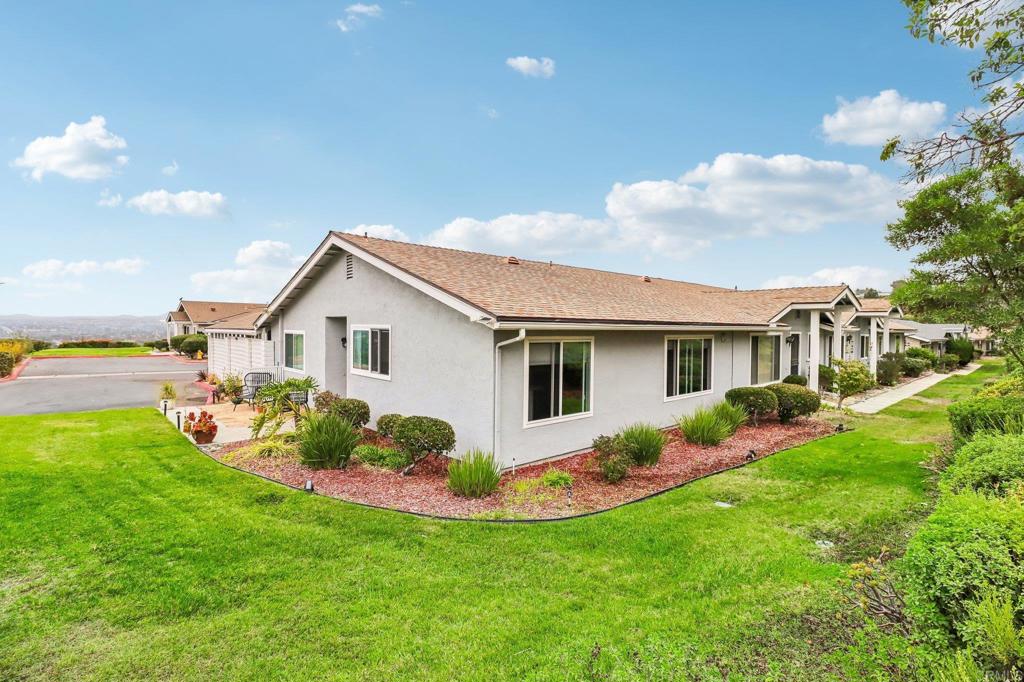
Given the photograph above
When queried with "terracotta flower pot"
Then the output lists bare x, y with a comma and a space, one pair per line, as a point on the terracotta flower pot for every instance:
203, 437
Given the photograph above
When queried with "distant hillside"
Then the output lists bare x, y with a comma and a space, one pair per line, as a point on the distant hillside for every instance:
128, 327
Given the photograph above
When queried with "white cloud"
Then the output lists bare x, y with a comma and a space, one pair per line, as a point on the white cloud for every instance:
54, 268
532, 67
188, 203
355, 16
172, 169
736, 195
380, 232
86, 151
537, 234
490, 112
857, 276
262, 268
874, 120
109, 199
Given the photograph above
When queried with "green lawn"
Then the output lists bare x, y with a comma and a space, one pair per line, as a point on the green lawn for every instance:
78, 352
126, 554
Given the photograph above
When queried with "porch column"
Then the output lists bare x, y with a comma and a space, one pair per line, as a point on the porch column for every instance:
886, 348
873, 346
815, 341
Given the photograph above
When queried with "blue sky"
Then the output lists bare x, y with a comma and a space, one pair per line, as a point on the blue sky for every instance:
214, 144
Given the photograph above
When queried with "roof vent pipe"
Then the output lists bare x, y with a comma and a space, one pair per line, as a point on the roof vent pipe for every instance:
512, 260
645, 278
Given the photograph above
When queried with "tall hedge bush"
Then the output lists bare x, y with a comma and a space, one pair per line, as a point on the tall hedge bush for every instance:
962, 348
193, 344
988, 464
971, 416
6, 363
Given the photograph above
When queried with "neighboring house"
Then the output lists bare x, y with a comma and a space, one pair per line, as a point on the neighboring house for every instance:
192, 317
877, 316
984, 342
934, 336
235, 346
528, 359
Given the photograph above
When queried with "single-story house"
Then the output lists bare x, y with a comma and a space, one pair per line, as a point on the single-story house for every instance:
934, 336
984, 342
531, 360
192, 317
236, 346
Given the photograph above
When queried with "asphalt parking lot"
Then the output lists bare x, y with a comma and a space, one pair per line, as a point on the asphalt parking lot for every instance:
79, 384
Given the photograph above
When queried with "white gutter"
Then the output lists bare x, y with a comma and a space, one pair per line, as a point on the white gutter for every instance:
496, 444
562, 326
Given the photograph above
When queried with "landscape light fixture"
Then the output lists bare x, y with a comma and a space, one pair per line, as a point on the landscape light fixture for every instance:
309, 485
751, 455
840, 427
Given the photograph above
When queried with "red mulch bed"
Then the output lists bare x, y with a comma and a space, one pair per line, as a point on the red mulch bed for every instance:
425, 492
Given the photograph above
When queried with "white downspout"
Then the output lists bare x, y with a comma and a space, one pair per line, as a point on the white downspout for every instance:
496, 444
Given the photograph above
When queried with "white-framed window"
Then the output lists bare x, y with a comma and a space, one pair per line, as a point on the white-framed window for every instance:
371, 350
558, 379
688, 365
295, 350
765, 359
864, 340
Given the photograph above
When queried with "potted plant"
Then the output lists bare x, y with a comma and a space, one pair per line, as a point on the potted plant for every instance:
202, 428
168, 394
231, 387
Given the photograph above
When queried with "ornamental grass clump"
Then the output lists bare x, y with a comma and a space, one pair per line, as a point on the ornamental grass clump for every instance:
326, 441
381, 458
644, 443
704, 427
477, 474
734, 416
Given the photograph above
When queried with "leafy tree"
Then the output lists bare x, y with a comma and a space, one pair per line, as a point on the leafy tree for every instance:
984, 136
968, 234
870, 292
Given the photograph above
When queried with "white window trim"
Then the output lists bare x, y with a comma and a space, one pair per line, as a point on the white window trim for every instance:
527, 424
284, 351
352, 344
664, 366
750, 351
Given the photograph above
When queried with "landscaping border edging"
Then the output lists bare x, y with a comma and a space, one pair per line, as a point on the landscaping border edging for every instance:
424, 515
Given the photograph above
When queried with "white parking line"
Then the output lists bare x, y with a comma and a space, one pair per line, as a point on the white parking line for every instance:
107, 374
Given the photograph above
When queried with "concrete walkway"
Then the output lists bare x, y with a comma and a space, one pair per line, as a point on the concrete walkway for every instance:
879, 402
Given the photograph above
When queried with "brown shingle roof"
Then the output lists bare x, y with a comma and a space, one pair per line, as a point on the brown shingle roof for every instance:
875, 305
534, 290
207, 312
179, 316
244, 320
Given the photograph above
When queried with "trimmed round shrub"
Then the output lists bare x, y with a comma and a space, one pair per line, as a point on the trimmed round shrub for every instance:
704, 427
6, 363
796, 380
477, 474
386, 424
915, 367
382, 458
326, 441
974, 415
756, 400
644, 443
962, 348
970, 546
420, 436
613, 458
926, 354
176, 342
989, 463
194, 343
889, 371
826, 378
948, 362
1012, 385
356, 412
794, 401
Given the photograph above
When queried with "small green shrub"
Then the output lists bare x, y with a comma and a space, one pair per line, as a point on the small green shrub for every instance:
973, 415
734, 416
356, 412
556, 478
704, 427
477, 474
948, 363
963, 349
613, 457
756, 400
852, 378
795, 379
795, 401
193, 344
420, 436
826, 378
926, 354
282, 447
6, 363
326, 440
381, 458
915, 367
644, 443
386, 424
888, 371
1012, 385
176, 342
995, 634
970, 546
989, 463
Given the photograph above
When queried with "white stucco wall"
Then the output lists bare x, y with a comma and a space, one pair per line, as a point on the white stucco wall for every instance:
441, 362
